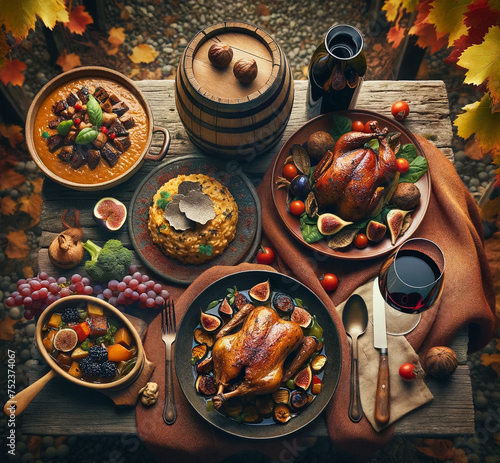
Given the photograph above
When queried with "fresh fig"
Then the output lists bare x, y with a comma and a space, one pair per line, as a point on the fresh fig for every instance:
300, 399
302, 317
110, 213
375, 231
205, 384
300, 187
304, 378
329, 224
65, 340
210, 322
240, 301
395, 219
261, 291
225, 309
283, 302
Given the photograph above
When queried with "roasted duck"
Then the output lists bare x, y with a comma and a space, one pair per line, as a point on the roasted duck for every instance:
351, 181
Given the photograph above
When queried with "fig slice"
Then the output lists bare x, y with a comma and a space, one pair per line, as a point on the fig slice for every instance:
261, 291
110, 214
395, 219
302, 317
65, 340
304, 378
329, 224
210, 322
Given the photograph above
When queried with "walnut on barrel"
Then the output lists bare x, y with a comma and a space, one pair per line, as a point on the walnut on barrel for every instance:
245, 70
220, 54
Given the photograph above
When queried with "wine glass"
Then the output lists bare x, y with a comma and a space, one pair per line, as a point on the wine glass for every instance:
411, 281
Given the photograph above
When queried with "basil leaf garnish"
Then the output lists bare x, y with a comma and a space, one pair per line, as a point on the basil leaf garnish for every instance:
64, 127
95, 112
418, 167
309, 229
87, 135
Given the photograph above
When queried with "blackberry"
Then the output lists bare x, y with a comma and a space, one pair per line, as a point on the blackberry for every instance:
108, 369
70, 315
98, 354
89, 367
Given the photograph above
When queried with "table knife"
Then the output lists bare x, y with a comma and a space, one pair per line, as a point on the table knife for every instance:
382, 396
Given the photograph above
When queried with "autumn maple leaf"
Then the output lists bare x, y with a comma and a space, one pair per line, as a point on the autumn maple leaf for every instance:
395, 35
68, 61
12, 72
32, 205
426, 32
116, 35
143, 53
79, 19
13, 133
8, 206
17, 245
448, 18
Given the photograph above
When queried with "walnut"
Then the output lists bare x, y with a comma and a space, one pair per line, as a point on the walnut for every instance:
220, 54
245, 70
149, 393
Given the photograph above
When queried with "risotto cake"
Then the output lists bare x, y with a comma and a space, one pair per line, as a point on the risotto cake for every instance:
204, 237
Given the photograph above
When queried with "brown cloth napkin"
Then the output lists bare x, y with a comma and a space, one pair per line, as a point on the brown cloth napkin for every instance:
405, 395
452, 221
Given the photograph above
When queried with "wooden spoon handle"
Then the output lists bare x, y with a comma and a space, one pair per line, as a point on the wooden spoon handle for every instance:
24, 398
382, 403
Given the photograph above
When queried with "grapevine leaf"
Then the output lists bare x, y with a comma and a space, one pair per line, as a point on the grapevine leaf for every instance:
478, 119
13, 133
87, 135
392, 7
79, 19
143, 53
68, 61
396, 35
483, 62
448, 17
95, 112
17, 245
116, 35
12, 72
426, 32
19, 16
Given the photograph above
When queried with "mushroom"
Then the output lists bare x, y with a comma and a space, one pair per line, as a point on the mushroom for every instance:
149, 393
66, 250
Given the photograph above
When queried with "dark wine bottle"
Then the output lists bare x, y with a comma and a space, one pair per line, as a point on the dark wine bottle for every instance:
336, 71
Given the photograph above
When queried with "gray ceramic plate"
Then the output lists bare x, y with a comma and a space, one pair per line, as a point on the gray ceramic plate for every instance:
248, 231
244, 281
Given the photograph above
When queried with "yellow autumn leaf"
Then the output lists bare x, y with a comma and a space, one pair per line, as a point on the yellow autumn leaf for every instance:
17, 245
488, 359
7, 330
483, 62
116, 35
143, 53
391, 8
478, 119
37, 184
7, 206
410, 5
19, 16
13, 133
32, 205
448, 18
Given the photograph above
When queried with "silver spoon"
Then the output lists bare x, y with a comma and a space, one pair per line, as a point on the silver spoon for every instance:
355, 319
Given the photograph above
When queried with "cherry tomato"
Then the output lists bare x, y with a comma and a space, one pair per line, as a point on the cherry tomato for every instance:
77, 121
265, 255
329, 282
78, 107
297, 207
367, 127
406, 371
358, 126
403, 165
104, 130
400, 110
289, 171
361, 241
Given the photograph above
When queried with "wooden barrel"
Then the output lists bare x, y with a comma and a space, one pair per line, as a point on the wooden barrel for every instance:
222, 115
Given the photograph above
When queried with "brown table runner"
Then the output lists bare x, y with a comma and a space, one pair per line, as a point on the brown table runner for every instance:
452, 221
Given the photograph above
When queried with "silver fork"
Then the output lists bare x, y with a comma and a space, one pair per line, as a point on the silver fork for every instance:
168, 331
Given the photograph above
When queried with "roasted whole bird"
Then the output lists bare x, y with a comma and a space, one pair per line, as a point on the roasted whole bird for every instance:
256, 353
351, 181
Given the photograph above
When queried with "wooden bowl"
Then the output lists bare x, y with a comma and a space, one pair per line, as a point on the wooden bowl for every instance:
94, 72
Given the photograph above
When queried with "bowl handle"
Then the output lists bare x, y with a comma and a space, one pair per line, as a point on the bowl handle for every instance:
164, 147
24, 398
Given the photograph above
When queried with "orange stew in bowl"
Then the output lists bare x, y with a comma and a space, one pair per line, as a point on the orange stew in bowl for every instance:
90, 131
89, 343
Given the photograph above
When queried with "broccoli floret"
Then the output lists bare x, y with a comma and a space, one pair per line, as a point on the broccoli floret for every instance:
111, 262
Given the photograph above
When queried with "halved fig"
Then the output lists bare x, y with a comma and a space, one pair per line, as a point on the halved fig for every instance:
110, 213
261, 291
205, 384
225, 309
209, 322
304, 378
205, 366
302, 317
202, 337
65, 340
395, 219
300, 399
375, 231
240, 301
329, 224
283, 302
199, 351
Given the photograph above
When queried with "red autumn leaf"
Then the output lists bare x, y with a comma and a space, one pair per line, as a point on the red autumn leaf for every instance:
37, 184
68, 62
116, 35
8, 206
32, 205
442, 449
395, 35
11, 179
426, 32
479, 18
17, 245
12, 71
79, 19
7, 331
13, 133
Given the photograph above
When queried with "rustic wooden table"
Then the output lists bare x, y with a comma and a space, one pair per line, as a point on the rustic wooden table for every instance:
63, 408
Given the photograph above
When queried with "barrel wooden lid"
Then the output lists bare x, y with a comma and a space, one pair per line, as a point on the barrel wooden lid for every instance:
220, 85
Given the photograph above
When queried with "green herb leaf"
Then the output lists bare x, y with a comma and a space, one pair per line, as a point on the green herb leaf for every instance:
87, 135
341, 125
95, 112
213, 304
299, 303
205, 249
165, 194
373, 144
162, 203
418, 167
64, 127
309, 229
409, 152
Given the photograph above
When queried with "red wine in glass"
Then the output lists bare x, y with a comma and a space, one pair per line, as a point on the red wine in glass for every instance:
411, 280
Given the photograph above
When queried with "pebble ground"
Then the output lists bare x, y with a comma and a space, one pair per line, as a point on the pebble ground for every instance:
298, 27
